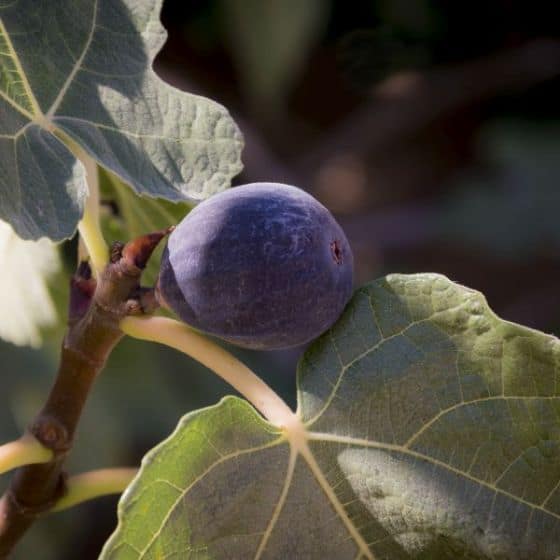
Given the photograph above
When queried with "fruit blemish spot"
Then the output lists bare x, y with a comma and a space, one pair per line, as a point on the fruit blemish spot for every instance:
336, 252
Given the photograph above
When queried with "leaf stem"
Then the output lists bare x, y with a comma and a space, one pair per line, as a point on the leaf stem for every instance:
93, 484
181, 337
89, 226
93, 240
26, 450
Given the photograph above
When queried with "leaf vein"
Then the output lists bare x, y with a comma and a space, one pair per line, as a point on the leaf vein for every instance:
77, 65
211, 467
325, 437
281, 501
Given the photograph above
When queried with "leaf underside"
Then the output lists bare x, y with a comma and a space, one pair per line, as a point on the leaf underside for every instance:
434, 428
84, 69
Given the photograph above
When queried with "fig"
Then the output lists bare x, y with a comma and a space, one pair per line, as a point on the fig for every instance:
263, 266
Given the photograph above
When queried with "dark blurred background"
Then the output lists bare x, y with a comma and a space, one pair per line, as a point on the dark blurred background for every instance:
430, 128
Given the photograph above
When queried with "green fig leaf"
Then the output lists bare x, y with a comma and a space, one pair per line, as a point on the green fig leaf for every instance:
82, 72
433, 430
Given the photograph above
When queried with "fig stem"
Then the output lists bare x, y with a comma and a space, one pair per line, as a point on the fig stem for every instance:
26, 450
93, 484
181, 337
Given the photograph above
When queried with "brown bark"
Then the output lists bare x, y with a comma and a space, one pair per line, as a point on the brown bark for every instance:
96, 310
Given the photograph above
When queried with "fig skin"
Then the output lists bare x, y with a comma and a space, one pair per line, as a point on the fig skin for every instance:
263, 266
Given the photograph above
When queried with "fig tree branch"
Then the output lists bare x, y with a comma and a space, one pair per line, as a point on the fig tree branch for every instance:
96, 309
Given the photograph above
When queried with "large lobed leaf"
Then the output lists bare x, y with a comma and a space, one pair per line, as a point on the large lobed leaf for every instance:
84, 69
434, 428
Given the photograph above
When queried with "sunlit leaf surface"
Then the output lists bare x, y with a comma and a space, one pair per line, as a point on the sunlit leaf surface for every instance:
434, 430
84, 69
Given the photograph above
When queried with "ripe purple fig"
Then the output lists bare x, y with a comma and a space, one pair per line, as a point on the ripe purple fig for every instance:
263, 266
